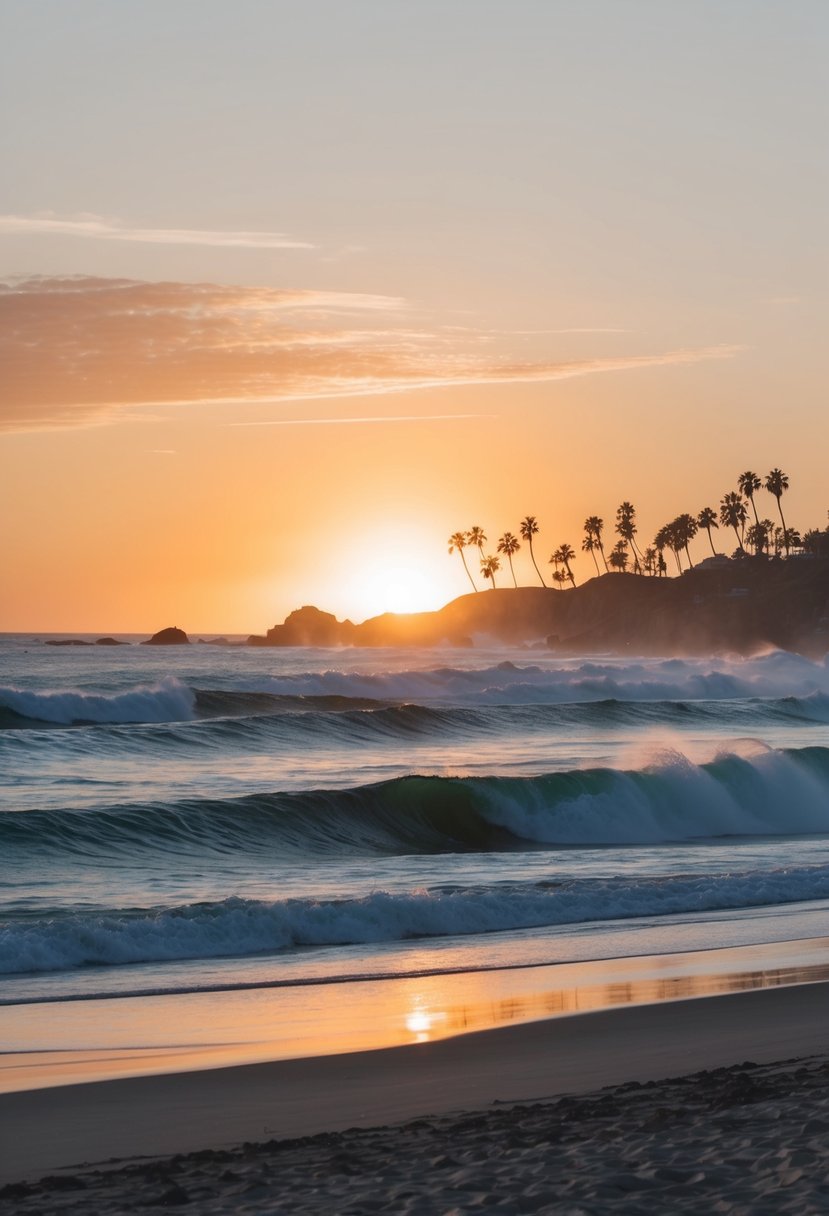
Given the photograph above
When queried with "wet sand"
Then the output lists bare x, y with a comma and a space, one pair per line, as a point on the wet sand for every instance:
469, 1153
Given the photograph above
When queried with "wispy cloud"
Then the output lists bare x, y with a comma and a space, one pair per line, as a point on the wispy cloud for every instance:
102, 228
369, 418
573, 329
80, 350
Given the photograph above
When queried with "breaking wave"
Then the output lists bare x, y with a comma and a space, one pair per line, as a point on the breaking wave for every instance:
168, 700
766, 793
244, 927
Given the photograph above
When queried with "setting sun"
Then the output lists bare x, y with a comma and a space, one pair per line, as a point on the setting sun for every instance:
398, 588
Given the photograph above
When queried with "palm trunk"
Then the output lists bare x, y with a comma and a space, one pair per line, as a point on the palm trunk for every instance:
737, 534
595, 563
754, 509
466, 568
678, 562
512, 572
532, 557
783, 522
688, 555
604, 559
570, 574
711, 543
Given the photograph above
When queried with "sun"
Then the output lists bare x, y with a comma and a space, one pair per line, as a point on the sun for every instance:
397, 588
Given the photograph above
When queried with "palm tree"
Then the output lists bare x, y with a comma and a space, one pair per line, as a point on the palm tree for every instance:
593, 525
488, 567
477, 536
619, 557
707, 519
565, 554
732, 512
777, 483
509, 544
758, 537
457, 543
650, 561
560, 577
590, 546
529, 528
686, 529
660, 544
747, 483
626, 524
667, 538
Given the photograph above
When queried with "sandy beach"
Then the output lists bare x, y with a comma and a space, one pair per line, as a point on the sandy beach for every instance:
748, 1139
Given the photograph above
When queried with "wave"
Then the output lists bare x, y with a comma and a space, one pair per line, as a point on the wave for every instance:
168, 700
766, 793
776, 683
242, 927
775, 675
173, 716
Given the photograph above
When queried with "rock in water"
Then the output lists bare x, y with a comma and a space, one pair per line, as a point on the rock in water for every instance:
172, 636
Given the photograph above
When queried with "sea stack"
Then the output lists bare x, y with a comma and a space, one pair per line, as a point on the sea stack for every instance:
171, 636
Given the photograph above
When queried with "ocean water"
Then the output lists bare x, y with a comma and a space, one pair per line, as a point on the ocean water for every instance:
208, 817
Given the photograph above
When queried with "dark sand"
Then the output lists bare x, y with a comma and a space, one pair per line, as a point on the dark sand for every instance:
753, 1140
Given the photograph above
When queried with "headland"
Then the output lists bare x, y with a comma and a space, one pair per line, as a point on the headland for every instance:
739, 607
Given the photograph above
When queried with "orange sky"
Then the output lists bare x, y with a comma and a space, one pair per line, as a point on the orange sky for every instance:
279, 315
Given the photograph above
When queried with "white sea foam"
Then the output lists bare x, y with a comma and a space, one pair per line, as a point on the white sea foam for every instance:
168, 700
764, 793
240, 927
773, 675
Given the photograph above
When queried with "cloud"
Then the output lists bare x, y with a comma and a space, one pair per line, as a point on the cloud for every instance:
100, 228
579, 329
79, 350
369, 418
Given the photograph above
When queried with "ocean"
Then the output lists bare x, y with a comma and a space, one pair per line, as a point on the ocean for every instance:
208, 818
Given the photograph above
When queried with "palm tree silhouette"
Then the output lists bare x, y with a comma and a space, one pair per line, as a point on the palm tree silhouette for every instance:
777, 483
457, 543
707, 519
758, 537
509, 544
477, 536
565, 554
732, 512
590, 546
661, 543
747, 483
626, 524
667, 538
619, 557
594, 525
488, 567
529, 528
686, 529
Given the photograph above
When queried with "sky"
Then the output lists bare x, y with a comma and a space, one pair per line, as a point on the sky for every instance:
291, 290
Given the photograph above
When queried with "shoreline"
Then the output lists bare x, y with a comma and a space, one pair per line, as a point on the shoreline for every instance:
221, 1109
50, 1044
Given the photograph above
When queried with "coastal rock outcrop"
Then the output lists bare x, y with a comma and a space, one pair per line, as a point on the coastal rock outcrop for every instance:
737, 607
171, 636
308, 626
